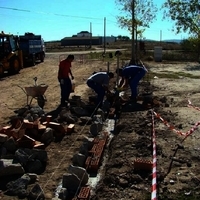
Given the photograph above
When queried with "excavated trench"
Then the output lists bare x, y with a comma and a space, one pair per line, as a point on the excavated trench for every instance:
95, 177
109, 125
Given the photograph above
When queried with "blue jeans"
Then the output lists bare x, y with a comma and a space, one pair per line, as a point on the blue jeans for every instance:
100, 91
134, 81
66, 87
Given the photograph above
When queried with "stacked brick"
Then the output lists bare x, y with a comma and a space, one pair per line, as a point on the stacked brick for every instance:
92, 163
93, 160
27, 134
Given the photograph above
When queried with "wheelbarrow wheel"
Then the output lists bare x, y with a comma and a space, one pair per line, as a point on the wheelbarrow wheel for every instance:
41, 101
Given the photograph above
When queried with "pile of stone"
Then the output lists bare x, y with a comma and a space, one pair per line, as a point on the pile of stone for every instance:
22, 149
23, 143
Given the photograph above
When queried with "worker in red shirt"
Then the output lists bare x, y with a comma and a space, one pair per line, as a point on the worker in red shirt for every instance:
63, 77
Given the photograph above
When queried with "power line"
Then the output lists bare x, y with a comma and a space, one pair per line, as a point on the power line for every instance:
46, 13
16, 9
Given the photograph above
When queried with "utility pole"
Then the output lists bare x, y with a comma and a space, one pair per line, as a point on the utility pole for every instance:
90, 35
133, 30
104, 40
160, 36
199, 34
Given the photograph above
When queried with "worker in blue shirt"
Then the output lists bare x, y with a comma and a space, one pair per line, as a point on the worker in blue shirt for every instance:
131, 75
99, 82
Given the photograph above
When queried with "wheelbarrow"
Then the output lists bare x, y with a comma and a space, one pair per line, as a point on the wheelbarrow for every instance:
35, 92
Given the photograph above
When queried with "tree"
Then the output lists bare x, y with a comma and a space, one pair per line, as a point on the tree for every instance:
186, 15
144, 12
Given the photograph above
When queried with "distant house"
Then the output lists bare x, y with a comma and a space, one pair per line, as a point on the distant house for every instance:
84, 34
81, 41
84, 38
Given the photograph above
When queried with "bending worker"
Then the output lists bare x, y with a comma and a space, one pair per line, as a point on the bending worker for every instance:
99, 82
64, 79
131, 75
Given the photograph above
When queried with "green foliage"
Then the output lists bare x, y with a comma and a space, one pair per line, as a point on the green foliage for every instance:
144, 12
123, 38
193, 45
185, 14
190, 44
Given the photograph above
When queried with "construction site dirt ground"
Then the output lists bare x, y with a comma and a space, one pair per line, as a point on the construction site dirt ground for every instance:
169, 120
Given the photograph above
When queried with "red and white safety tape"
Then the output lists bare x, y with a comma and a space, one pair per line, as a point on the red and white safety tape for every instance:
177, 131
154, 173
191, 106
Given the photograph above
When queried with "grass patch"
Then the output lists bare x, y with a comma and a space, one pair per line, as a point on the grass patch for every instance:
171, 75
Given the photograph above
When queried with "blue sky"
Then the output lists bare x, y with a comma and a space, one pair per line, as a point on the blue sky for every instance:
56, 19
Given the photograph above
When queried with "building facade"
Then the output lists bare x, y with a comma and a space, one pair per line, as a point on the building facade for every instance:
84, 38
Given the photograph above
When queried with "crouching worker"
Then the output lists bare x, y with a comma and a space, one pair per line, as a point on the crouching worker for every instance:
99, 82
131, 75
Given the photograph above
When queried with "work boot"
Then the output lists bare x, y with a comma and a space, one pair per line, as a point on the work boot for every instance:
133, 100
64, 104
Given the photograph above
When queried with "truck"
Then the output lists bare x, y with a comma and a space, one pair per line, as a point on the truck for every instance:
33, 48
11, 57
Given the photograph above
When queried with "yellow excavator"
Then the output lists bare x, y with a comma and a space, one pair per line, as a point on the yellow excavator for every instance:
11, 58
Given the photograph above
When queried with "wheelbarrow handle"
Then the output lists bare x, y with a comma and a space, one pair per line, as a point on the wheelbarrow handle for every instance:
35, 79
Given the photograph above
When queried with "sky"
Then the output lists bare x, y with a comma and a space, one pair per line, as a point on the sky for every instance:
56, 19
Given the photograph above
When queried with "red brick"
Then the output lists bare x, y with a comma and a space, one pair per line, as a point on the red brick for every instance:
96, 140
16, 123
59, 129
39, 146
101, 143
142, 164
84, 193
27, 124
36, 123
41, 126
21, 133
6, 129
98, 154
26, 142
93, 149
15, 134
87, 162
94, 164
